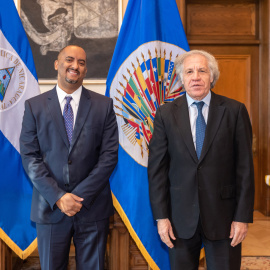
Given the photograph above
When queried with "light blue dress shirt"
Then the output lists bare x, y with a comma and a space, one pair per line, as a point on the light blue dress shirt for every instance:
193, 113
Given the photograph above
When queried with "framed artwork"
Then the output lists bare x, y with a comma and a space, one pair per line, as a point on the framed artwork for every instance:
51, 25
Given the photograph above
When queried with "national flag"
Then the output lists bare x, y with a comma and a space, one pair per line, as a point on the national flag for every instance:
142, 78
18, 82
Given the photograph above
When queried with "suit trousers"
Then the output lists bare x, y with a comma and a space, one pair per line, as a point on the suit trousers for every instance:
89, 240
220, 255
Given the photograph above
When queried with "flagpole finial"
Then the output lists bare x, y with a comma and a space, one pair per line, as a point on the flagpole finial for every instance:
122, 85
129, 72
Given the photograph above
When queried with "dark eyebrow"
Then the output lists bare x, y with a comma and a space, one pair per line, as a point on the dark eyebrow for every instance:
80, 60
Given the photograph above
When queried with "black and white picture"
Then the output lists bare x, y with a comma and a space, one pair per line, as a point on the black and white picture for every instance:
54, 24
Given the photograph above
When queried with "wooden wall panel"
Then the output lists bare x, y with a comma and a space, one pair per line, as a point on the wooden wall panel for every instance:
5, 256
234, 81
118, 245
214, 20
221, 20
122, 252
137, 261
264, 109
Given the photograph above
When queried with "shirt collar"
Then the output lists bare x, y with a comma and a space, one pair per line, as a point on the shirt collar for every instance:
75, 95
206, 99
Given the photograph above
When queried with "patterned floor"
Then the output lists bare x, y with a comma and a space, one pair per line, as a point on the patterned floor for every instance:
255, 263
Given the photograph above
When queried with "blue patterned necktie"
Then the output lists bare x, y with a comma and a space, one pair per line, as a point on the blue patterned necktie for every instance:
200, 128
68, 118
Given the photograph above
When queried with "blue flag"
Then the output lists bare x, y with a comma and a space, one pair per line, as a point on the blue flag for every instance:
141, 78
18, 82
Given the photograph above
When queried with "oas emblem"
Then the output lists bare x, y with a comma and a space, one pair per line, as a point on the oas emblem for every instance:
12, 79
146, 80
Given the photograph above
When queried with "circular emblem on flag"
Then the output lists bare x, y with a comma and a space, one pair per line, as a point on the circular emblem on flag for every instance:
145, 81
12, 79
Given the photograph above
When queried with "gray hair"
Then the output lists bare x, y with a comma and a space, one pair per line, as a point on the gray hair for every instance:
212, 65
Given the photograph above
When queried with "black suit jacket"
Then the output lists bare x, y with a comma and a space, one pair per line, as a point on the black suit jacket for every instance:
82, 168
219, 187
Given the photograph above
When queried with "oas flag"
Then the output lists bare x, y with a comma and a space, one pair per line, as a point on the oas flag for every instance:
141, 78
18, 82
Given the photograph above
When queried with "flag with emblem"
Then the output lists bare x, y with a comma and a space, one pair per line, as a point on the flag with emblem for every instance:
18, 82
141, 78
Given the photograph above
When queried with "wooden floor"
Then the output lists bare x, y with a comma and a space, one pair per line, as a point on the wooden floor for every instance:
255, 252
257, 242
256, 247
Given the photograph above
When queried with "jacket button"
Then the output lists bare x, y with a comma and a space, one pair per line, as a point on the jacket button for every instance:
199, 167
69, 162
66, 185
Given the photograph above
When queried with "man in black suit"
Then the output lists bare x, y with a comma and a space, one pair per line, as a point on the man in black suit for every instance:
200, 170
69, 146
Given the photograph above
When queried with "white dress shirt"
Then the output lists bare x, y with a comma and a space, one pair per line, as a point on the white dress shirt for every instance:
193, 113
76, 95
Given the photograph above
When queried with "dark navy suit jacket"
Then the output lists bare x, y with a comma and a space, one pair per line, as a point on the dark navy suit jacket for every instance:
218, 187
82, 168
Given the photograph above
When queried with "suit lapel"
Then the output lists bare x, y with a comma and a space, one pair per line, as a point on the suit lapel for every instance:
83, 110
180, 112
55, 111
215, 115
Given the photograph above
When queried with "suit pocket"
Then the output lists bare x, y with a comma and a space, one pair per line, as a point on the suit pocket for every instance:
228, 192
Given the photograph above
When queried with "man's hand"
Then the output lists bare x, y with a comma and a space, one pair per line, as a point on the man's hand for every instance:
165, 232
238, 232
70, 204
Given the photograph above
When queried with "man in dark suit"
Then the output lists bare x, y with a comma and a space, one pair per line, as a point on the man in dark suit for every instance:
69, 146
200, 170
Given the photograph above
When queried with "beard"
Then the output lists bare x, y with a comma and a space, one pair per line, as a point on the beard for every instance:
71, 81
